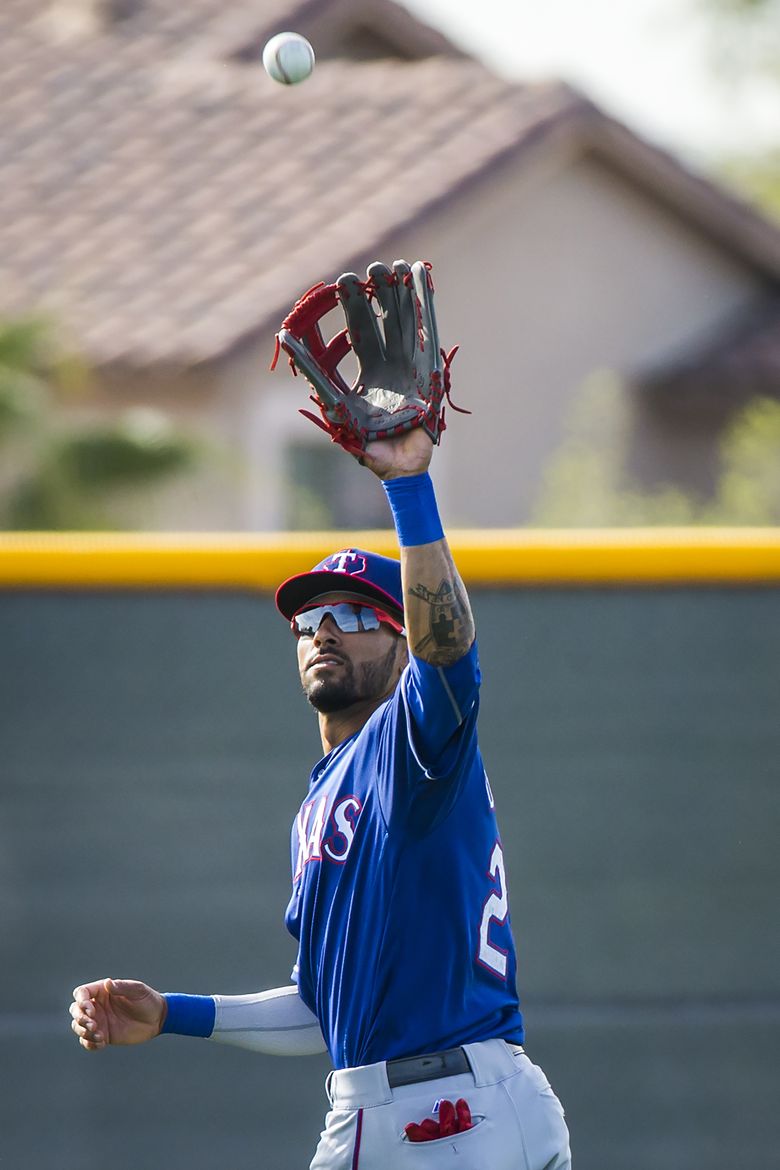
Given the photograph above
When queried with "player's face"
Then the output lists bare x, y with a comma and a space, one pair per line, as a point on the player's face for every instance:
340, 670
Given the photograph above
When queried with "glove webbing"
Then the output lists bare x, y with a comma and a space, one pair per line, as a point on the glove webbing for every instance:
304, 321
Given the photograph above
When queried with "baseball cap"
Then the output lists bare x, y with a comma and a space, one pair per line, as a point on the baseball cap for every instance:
352, 570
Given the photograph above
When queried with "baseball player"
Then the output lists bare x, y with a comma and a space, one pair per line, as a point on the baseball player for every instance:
406, 964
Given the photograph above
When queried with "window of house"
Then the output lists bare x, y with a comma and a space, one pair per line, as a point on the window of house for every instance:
326, 488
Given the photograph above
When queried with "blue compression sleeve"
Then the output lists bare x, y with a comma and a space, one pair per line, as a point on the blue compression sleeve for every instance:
415, 512
189, 1015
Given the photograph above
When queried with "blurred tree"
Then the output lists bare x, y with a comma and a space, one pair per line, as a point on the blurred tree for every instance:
749, 487
59, 475
585, 483
758, 176
745, 39
745, 36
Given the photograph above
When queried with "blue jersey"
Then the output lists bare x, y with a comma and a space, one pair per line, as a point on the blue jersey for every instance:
399, 898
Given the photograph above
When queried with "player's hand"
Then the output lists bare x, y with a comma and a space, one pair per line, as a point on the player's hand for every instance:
407, 454
116, 1011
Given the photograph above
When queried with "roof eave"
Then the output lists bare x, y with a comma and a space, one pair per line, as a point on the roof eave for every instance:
729, 220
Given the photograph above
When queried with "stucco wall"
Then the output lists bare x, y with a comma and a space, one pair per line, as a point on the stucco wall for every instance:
545, 279
550, 270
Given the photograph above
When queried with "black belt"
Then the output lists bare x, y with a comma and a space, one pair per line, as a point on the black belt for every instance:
411, 1069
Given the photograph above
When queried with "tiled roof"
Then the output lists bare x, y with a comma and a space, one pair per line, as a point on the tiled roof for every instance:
165, 204
223, 27
166, 200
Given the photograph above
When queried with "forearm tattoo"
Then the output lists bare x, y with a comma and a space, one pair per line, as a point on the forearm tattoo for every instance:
449, 626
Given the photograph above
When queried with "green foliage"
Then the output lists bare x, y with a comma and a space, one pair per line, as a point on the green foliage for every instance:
744, 39
585, 484
749, 488
745, 36
140, 445
57, 474
22, 401
757, 178
742, 9
25, 364
26, 345
47, 501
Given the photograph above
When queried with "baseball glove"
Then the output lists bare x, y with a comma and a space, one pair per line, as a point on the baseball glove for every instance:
403, 374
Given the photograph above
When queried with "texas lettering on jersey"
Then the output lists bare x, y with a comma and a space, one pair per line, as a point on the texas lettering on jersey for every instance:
311, 823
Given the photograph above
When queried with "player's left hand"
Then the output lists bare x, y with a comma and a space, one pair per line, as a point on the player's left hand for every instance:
403, 376
407, 454
116, 1011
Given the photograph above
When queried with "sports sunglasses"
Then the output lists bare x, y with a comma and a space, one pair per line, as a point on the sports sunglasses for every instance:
350, 617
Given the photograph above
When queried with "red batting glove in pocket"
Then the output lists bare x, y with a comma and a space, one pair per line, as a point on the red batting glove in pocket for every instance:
452, 1119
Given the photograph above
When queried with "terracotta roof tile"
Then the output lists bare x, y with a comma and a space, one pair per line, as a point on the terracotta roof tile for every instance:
156, 200
167, 200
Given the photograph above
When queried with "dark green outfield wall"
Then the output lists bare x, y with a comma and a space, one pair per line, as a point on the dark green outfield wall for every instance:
154, 749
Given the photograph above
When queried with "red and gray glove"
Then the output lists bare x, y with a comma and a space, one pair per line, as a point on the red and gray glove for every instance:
452, 1119
403, 374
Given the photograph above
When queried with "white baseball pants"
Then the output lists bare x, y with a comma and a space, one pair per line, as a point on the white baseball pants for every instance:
518, 1120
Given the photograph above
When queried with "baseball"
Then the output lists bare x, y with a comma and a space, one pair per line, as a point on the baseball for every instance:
288, 58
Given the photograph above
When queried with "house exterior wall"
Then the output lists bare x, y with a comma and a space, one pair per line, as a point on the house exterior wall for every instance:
547, 278
546, 272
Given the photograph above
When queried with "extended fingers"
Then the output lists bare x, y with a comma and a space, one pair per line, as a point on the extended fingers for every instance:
406, 305
428, 337
385, 285
367, 341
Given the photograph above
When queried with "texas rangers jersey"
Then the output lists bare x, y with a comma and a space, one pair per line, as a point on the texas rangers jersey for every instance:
399, 899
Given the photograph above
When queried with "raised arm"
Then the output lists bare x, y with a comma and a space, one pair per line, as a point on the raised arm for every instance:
439, 622
440, 626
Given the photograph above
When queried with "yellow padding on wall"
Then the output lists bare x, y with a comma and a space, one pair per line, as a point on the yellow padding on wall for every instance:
491, 557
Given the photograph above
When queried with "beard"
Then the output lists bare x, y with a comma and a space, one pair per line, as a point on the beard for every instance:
371, 680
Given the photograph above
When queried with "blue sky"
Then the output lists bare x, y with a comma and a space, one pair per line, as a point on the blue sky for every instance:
648, 61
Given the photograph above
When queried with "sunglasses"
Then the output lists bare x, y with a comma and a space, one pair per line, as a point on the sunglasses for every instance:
350, 618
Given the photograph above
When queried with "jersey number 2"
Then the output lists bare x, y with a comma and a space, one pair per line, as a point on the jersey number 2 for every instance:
495, 909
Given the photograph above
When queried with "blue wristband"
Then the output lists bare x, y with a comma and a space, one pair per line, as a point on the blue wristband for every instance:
190, 1015
415, 512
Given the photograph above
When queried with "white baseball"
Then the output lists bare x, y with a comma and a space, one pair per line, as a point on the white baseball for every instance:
288, 58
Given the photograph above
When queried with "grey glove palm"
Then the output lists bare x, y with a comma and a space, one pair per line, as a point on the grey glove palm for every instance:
403, 374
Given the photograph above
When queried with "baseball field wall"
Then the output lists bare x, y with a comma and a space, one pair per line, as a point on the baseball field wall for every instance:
154, 748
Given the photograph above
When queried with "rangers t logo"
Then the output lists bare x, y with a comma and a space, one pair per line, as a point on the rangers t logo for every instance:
348, 561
